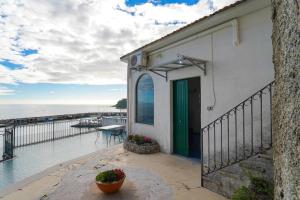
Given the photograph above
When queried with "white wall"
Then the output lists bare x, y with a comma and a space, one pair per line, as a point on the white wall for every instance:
239, 71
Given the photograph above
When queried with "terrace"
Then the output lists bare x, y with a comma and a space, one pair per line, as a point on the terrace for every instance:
155, 176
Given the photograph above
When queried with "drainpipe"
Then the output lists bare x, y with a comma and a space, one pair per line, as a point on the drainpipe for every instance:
128, 99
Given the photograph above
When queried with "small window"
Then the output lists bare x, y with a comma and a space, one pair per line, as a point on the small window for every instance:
145, 100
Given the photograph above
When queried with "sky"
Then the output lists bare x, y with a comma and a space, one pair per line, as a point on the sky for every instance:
67, 51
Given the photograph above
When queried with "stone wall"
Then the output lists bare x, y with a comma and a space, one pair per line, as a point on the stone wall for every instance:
286, 106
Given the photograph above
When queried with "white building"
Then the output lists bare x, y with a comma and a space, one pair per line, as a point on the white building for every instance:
218, 62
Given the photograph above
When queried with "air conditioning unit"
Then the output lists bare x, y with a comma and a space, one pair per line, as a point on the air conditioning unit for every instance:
138, 61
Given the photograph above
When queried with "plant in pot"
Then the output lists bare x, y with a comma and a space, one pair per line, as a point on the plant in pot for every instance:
110, 181
141, 144
140, 140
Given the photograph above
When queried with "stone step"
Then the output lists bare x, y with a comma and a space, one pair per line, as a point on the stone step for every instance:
223, 183
213, 183
259, 165
233, 172
229, 179
268, 155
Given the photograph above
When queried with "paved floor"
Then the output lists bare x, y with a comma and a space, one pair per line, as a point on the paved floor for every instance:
149, 177
33, 159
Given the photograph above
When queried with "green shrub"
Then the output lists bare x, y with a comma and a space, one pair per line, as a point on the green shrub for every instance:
262, 188
130, 137
259, 189
243, 193
110, 176
106, 177
138, 139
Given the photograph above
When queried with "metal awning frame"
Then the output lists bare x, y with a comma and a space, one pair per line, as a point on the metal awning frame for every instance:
179, 63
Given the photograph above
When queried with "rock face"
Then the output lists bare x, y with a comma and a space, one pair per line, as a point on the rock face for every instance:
227, 180
286, 99
147, 148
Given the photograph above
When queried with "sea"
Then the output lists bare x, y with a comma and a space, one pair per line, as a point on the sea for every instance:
9, 111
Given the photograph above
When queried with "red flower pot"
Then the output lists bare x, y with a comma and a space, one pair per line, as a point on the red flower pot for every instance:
110, 187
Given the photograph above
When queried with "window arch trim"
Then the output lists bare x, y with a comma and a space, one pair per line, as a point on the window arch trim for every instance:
144, 111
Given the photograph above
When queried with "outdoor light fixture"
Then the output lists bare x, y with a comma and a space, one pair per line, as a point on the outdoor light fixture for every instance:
180, 58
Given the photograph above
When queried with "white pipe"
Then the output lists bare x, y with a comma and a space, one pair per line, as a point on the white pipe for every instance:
128, 100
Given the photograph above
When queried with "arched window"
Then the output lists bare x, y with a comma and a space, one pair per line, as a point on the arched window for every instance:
145, 100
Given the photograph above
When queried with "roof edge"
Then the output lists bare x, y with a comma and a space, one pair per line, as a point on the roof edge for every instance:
188, 26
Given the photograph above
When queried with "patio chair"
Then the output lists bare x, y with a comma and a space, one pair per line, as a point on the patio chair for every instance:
116, 133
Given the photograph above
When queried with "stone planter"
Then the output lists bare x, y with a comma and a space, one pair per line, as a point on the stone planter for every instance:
147, 148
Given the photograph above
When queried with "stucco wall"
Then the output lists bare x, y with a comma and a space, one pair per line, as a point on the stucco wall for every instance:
239, 71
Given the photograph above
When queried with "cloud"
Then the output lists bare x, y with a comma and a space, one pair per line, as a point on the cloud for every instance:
5, 91
80, 41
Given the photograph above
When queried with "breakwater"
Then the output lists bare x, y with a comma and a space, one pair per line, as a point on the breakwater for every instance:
32, 120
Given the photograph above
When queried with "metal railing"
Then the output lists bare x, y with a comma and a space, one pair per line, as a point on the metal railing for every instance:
28, 131
240, 133
29, 134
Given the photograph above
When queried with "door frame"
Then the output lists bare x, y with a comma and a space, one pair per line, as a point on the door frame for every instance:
172, 113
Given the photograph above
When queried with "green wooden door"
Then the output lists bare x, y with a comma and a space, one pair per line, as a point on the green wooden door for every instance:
180, 117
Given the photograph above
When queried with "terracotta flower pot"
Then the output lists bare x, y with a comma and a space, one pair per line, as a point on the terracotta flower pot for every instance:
110, 187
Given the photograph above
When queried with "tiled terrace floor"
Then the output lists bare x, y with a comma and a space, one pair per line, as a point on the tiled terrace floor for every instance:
148, 177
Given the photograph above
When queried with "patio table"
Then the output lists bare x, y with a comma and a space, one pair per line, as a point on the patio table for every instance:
114, 130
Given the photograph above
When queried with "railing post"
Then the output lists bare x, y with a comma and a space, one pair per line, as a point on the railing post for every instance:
14, 124
215, 166
201, 142
208, 148
4, 145
228, 153
13, 136
53, 130
251, 104
12, 140
235, 133
261, 121
221, 124
244, 153
3, 148
270, 91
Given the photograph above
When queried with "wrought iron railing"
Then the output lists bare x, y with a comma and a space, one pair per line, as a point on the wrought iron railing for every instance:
28, 134
28, 131
240, 133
